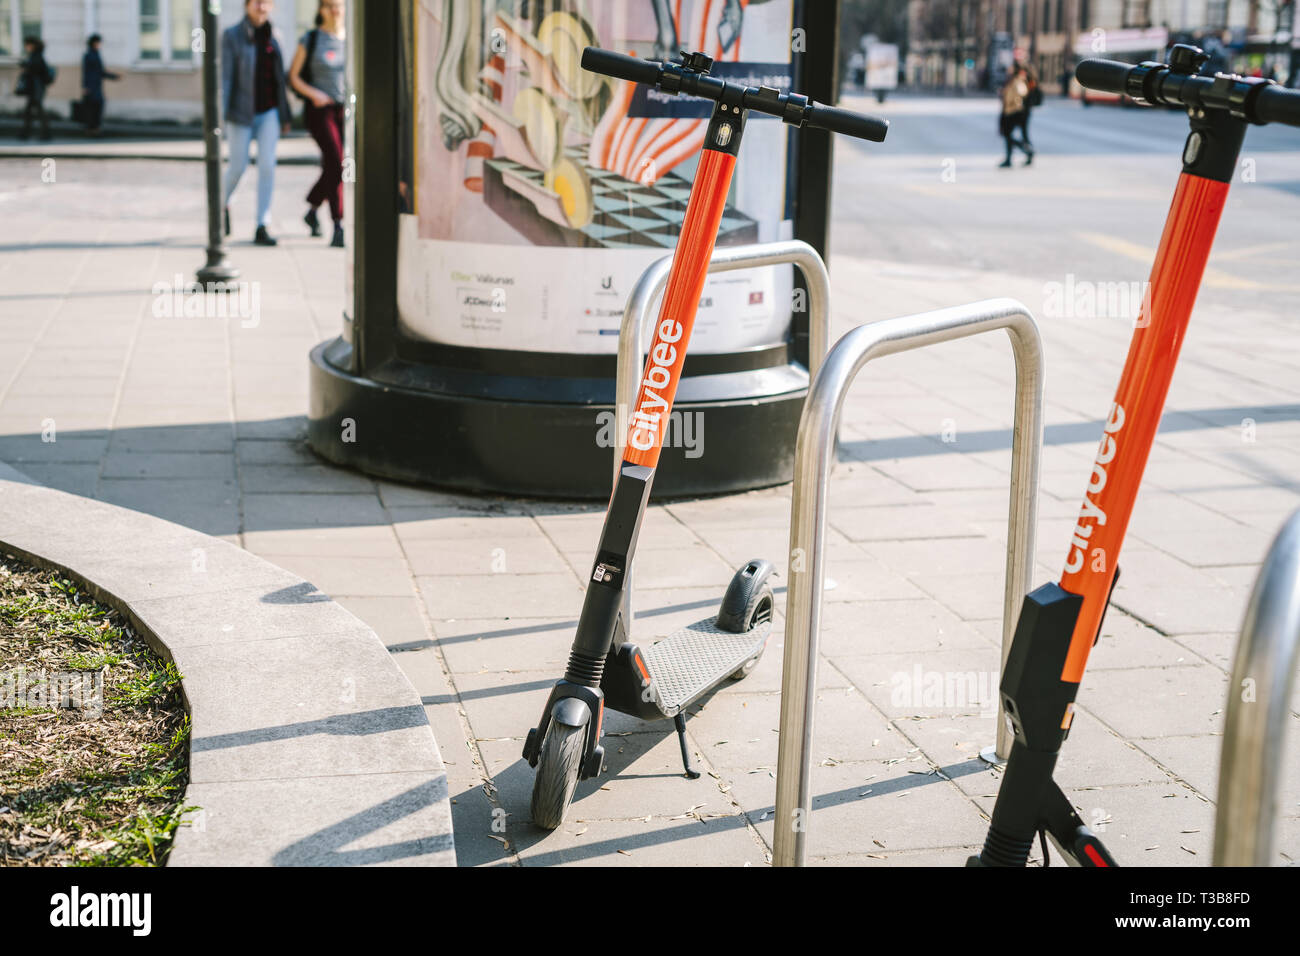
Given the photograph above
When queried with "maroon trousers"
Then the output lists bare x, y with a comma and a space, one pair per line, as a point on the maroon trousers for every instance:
325, 123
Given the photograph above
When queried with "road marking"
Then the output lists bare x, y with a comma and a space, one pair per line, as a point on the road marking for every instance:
1214, 278
1256, 250
979, 190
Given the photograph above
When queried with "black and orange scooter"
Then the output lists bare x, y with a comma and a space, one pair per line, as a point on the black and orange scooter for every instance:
605, 668
1059, 623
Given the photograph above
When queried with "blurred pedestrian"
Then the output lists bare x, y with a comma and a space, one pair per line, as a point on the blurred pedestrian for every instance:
34, 78
1015, 114
93, 76
1033, 100
317, 75
255, 105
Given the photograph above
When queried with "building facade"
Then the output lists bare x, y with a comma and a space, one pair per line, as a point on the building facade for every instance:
154, 44
968, 44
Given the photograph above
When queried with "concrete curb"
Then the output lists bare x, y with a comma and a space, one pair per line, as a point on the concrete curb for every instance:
309, 746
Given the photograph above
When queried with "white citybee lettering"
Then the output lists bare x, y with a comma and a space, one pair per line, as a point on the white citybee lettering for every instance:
1090, 512
645, 427
1098, 480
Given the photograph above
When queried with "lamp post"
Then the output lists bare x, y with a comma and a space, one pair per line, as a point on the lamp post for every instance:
217, 271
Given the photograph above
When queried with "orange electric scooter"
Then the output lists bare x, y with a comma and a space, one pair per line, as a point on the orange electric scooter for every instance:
605, 668
1059, 623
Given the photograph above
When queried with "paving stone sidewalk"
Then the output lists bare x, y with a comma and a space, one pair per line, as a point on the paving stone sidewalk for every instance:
200, 421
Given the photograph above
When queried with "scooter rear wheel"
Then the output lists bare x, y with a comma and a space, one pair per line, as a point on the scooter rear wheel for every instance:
557, 774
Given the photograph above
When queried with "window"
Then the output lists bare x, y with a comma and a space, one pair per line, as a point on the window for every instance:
18, 19
1216, 14
166, 27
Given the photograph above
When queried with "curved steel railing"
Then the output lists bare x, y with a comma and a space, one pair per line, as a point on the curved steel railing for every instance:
814, 456
1259, 705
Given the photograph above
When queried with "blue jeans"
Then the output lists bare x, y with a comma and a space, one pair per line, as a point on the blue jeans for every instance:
266, 129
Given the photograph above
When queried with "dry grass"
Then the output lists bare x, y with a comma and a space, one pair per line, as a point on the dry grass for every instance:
76, 787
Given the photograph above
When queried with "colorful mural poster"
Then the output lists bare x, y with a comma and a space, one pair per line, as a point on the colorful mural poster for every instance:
541, 192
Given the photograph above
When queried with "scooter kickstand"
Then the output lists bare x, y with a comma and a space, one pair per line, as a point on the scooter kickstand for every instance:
680, 723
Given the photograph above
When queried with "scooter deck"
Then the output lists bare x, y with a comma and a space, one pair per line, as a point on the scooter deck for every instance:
694, 659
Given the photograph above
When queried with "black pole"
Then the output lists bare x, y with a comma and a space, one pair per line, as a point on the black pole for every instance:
217, 270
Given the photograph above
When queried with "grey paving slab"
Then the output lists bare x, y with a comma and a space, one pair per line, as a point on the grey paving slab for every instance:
905, 627
362, 541
489, 555
478, 595
269, 512
349, 575
657, 842
740, 731
870, 807
312, 478
1174, 700
396, 620
504, 644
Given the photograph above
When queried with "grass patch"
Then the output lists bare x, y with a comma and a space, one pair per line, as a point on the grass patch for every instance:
92, 773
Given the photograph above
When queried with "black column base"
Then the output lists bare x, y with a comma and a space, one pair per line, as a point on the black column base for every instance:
490, 444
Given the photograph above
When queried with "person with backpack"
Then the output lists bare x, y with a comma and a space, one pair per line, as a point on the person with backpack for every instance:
35, 76
93, 76
1015, 114
317, 75
254, 104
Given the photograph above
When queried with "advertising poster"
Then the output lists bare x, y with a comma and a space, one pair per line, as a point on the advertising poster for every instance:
541, 192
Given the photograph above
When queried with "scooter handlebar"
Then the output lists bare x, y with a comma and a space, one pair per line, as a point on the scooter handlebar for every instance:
1277, 104
836, 120
621, 66
1105, 76
682, 78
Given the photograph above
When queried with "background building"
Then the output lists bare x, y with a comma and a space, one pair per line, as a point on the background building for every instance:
968, 44
151, 43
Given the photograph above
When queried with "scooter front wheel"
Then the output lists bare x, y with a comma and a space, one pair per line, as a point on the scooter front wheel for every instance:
747, 604
557, 774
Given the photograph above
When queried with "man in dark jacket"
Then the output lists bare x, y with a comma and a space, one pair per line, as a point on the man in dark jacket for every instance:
34, 78
93, 76
255, 105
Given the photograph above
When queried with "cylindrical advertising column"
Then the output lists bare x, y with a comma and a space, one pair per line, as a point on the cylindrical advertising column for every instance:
506, 203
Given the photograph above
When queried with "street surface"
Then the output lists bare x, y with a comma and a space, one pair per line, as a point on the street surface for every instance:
201, 421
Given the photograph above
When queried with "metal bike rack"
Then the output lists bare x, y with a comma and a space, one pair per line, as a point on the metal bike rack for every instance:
1251, 760
637, 318
814, 457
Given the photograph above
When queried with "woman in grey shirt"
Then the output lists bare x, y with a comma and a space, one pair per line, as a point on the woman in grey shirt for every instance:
317, 75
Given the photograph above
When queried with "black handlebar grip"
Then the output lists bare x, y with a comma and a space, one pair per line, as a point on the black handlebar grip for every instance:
620, 66
1277, 104
849, 123
1106, 76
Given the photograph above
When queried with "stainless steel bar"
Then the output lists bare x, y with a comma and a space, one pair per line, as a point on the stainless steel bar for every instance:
1259, 696
638, 319
814, 457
